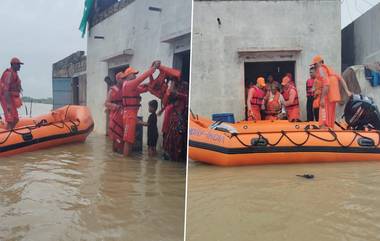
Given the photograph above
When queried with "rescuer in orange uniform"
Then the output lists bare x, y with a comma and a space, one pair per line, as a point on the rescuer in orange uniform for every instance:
290, 95
131, 102
114, 105
330, 94
255, 99
10, 89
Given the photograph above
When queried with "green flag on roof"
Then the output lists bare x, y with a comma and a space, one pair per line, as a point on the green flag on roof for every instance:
86, 13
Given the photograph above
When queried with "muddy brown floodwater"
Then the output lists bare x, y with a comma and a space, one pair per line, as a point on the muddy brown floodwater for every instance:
86, 192
269, 203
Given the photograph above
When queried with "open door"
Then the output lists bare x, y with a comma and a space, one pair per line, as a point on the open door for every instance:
181, 61
253, 70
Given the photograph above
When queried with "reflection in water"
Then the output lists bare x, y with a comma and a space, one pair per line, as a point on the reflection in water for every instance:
86, 192
271, 203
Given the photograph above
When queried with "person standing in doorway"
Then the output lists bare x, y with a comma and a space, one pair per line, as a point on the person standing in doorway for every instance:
290, 95
272, 83
310, 95
274, 104
10, 90
255, 99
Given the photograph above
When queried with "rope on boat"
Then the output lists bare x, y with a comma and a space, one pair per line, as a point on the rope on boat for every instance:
40, 124
285, 135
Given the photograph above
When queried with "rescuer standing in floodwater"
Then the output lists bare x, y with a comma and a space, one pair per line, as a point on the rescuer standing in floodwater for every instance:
131, 102
10, 89
114, 106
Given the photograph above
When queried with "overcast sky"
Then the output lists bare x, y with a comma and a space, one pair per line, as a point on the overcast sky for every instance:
352, 9
41, 32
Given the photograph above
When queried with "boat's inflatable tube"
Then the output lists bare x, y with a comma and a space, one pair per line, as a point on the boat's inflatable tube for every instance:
64, 125
276, 142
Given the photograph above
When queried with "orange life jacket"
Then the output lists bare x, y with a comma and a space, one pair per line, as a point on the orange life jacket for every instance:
334, 87
317, 93
14, 87
115, 125
158, 86
286, 96
131, 98
257, 97
132, 89
273, 107
116, 95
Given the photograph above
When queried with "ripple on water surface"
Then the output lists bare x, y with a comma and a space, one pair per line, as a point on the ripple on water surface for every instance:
271, 203
86, 192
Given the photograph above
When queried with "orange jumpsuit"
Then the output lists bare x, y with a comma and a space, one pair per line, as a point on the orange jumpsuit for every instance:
291, 102
10, 82
328, 78
115, 105
257, 100
273, 107
131, 103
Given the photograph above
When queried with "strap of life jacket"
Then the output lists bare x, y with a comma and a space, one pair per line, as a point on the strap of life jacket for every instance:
257, 101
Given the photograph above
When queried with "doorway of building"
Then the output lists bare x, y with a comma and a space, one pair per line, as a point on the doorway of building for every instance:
113, 71
181, 61
253, 70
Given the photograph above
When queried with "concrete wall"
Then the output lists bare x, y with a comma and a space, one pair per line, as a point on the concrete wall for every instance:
73, 66
257, 31
363, 43
134, 35
360, 46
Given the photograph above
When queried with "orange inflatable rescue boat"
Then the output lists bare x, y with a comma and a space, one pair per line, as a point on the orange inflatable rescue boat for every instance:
277, 142
64, 125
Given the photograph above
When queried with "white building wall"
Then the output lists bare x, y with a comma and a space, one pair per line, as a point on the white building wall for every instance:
217, 80
138, 31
